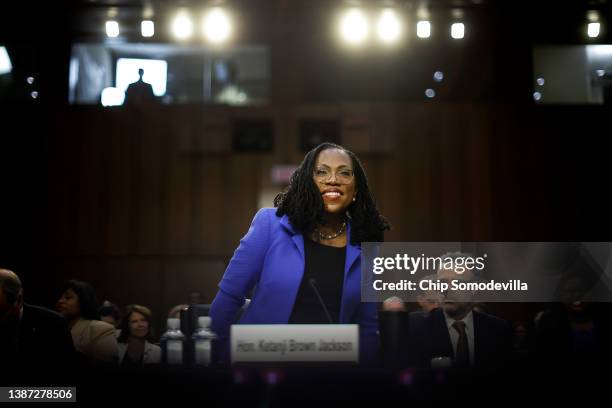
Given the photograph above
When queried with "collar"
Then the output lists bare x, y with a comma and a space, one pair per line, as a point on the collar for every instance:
287, 224
468, 320
352, 251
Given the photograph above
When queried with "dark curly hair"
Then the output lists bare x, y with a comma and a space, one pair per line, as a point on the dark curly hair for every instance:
88, 301
302, 201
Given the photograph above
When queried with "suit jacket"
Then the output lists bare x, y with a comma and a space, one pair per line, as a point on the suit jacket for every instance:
270, 258
42, 342
96, 340
152, 353
428, 337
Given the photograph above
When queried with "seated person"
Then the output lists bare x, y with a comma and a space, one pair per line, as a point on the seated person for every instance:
457, 331
109, 313
31, 337
136, 340
92, 337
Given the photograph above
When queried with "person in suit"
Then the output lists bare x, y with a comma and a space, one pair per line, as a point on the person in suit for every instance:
92, 337
136, 346
457, 331
32, 338
139, 91
306, 247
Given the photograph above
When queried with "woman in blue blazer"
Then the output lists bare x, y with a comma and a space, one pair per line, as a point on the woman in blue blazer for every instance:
301, 260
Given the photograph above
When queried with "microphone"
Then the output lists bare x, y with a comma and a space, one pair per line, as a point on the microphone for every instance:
313, 285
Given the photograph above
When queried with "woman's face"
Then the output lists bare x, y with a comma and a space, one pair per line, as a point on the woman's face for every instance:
334, 177
68, 304
139, 325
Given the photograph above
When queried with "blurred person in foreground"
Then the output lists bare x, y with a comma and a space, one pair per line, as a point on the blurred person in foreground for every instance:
31, 337
306, 247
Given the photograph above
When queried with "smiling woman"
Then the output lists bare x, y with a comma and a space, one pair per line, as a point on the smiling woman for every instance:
303, 257
136, 339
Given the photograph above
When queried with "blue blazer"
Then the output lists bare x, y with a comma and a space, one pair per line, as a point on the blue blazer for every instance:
270, 258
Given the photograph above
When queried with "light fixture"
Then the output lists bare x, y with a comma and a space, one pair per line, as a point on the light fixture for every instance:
112, 29
537, 96
147, 28
594, 25
217, 26
354, 26
182, 26
457, 31
389, 26
5, 61
112, 97
423, 29
593, 30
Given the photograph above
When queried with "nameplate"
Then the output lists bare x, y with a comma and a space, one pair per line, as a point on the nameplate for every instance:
295, 342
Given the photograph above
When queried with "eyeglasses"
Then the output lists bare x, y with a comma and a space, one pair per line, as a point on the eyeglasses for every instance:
344, 176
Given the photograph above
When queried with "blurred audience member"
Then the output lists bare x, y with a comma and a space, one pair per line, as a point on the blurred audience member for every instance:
175, 312
429, 300
109, 313
31, 337
195, 297
574, 333
136, 340
93, 338
393, 304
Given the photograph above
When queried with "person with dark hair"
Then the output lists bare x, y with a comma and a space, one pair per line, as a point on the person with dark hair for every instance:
109, 313
304, 256
93, 338
136, 339
31, 337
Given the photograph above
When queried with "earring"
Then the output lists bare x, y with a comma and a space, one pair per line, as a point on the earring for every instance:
353, 198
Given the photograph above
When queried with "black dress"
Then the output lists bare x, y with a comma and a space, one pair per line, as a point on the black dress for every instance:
324, 269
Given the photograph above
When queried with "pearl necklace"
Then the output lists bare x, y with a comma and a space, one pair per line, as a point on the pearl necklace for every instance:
334, 235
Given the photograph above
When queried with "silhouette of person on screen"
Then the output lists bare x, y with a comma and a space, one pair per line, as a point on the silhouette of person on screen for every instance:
139, 91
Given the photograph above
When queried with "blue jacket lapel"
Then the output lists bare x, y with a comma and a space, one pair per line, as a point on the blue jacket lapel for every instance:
297, 238
351, 291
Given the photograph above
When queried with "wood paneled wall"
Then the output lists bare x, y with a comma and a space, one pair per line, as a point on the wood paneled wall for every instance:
148, 204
